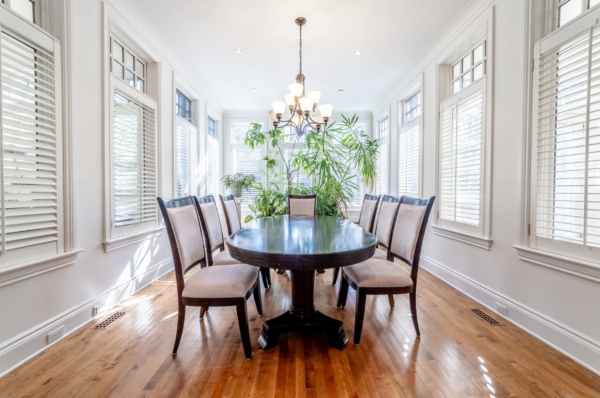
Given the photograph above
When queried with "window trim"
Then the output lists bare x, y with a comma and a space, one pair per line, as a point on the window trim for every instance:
416, 87
485, 31
555, 11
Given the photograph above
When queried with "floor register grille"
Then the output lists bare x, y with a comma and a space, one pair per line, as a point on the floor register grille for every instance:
105, 323
486, 317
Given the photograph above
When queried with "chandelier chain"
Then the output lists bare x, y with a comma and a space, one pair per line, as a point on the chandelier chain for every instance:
300, 49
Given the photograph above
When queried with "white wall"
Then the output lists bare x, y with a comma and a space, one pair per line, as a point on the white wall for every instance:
558, 307
32, 307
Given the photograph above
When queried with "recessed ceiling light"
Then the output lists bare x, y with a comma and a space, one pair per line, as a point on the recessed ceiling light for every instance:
238, 50
341, 90
357, 52
254, 90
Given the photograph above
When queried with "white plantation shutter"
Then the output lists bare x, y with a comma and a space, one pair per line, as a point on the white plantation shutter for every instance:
213, 183
461, 160
566, 151
248, 161
31, 198
382, 165
134, 168
186, 158
409, 161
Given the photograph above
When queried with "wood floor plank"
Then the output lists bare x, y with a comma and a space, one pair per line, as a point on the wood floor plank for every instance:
457, 355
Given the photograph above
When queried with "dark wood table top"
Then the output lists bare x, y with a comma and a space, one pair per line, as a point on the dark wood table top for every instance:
301, 243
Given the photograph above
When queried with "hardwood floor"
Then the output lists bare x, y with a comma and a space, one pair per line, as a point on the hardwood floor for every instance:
458, 354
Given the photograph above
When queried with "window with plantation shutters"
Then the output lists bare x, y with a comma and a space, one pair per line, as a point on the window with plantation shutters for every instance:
565, 200
31, 224
461, 160
133, 161
382, 163
213, 169
244, 159
186, 157
409, 160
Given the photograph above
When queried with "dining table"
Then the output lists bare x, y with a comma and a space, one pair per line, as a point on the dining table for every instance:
301, 245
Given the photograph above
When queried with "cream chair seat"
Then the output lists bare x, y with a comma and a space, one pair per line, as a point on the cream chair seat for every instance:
379, 255
379, 273
226, 281
224, 258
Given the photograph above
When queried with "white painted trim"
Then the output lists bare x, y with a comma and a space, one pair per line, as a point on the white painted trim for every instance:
20, 349
581, 268
478, 241
19, 272
575, 345
122, 241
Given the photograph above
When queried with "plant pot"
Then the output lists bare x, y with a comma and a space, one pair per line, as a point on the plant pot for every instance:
235, 191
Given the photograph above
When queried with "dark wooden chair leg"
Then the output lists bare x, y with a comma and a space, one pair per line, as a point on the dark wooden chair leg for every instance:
257, 298
265, 279
242, 313
281, 271
268, 273
392, 301
413, 311
343, 293
336, 273
180, 321
361, 301
203, 312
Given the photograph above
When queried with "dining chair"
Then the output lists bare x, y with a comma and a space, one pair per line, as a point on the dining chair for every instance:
227, 285
233, 223
366, 220
388, 206
212, 231
375, 277
302, 205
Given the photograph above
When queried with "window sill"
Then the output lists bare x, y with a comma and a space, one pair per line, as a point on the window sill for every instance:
570, 265
19, 272
478, 241
123, 241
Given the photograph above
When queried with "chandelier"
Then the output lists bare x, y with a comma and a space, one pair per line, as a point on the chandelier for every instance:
300, 104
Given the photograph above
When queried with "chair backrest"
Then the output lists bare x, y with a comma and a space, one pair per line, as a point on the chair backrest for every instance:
232, 218
385, 218
366, 219
211, 225
185, 235
302, 205
408, 232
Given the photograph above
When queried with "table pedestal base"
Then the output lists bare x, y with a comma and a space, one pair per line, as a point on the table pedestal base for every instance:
303, 316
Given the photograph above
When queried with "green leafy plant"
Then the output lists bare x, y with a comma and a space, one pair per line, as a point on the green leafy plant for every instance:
362, 150
238, 182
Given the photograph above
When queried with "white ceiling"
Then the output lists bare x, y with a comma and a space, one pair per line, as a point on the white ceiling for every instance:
392, 35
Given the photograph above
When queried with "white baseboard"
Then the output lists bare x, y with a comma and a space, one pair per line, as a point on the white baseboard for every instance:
573, 344
22, 348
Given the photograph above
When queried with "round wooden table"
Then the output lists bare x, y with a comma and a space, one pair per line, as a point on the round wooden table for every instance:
302, 245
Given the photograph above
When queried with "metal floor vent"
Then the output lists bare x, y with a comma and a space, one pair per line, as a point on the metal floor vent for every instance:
104, 324
486, 317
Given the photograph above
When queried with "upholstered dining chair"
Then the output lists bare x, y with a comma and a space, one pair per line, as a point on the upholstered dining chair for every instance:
383, 224
366, 220
233, 223
302, 205
227, 285
374, 277
212, 231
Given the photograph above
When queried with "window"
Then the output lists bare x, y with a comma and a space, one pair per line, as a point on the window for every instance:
567, 10
412, 108
186, 137
127, 66
469, 69
244, 159
409, 148
31, 213
461, 161
183, 106
133, 160
213, 159
382, 164
565, 161
28, 9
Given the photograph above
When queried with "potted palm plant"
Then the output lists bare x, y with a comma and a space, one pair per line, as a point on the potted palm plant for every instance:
238, 182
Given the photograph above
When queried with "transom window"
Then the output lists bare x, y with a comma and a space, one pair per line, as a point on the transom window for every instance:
126, 65
184, 106
470, 68
25, 8
412, 108
567, 10
212, 128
